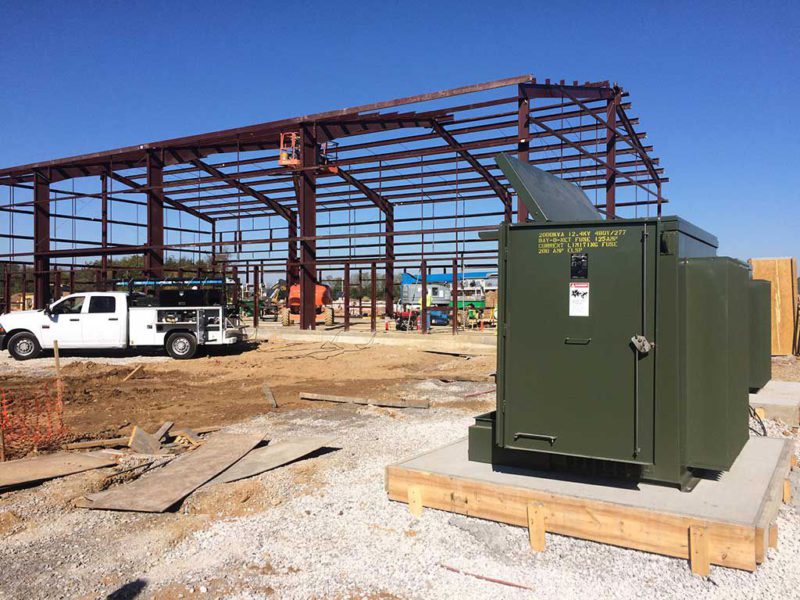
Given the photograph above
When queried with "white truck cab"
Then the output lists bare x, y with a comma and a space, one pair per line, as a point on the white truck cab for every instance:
96, 320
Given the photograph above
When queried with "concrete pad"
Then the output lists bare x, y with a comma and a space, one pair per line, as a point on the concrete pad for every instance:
468, 344
780, 400
735, 498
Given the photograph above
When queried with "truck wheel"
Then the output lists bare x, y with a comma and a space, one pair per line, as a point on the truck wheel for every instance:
285, 318
24, 346
181, 346
329, 316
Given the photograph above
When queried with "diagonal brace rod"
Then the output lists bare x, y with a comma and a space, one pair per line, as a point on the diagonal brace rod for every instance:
498, 187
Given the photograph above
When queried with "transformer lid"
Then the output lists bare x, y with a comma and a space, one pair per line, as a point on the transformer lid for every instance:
548, 198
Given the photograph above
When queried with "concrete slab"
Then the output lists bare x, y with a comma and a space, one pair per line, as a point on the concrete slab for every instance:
736, 497
478, 344
780, 400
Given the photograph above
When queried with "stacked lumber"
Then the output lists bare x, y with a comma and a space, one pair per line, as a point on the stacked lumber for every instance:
782, 275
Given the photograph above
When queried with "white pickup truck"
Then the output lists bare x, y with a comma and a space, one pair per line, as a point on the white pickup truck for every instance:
108, 320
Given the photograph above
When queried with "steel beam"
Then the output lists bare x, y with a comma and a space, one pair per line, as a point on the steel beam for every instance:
165, 199
231, 179
307, 178
41, 239
154, 256
374, 196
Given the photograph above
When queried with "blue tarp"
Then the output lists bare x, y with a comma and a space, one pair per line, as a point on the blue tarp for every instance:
409, 279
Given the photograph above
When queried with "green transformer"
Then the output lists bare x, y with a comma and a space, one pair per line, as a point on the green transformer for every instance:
624, 346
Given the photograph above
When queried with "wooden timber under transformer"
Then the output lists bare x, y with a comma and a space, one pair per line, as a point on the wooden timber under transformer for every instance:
729, 522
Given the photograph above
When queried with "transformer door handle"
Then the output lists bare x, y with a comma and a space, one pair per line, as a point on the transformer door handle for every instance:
113, 319
577, 341
536, 436
74, 319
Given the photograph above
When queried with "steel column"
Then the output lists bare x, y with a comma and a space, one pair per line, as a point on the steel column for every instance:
523, 144
104, 229
57, 284
213, 246
256, 293
154, 256
373, 296
41, 240
346, 290
235, 277
308, 227
611, 157
293, 268
454, 297
389, 276
423, 300
7, 288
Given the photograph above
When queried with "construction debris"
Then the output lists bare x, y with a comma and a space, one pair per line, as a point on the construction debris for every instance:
365, 401
270, 397
143, 443
167, 486
132, 373
186, 437
162, 431
119, 442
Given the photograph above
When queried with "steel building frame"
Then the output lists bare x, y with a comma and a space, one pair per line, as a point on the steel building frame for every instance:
378, 176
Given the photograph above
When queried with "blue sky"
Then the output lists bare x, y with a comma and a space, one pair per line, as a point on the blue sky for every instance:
716, 84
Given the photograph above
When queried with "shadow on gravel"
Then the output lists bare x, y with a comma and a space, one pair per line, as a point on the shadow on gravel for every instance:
128, 591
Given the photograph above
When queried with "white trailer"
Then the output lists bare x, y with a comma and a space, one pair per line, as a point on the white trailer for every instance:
96, 320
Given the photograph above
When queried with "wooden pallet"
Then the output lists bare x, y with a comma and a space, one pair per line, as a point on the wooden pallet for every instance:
579, 510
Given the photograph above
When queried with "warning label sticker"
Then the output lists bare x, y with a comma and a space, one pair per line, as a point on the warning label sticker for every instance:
579, 299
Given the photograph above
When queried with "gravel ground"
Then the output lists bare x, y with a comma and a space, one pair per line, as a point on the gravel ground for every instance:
323, 528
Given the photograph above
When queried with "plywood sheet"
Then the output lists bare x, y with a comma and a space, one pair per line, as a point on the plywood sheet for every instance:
782, 275
165, 487
263, 459
41, 468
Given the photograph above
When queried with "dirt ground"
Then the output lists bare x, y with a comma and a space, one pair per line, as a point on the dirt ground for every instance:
320, 527
226, 388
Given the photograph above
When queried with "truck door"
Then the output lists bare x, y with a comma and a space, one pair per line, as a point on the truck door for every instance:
64, 323
104, 322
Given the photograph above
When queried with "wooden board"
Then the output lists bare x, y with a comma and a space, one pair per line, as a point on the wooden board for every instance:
269, 457
143, 442
728, 543
365, 401
166, 486
41, 468
782, 275
123, 441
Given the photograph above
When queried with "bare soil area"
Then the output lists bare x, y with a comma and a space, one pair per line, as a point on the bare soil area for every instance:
220, 389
